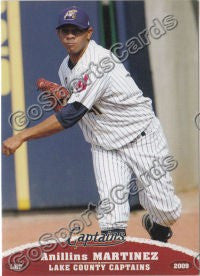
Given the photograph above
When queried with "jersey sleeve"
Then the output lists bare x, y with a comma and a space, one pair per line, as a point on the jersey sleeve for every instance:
71, 114
86, 90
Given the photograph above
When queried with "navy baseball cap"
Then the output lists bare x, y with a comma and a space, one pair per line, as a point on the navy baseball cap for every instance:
75, 16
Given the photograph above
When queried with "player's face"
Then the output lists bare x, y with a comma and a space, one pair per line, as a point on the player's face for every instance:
74, 39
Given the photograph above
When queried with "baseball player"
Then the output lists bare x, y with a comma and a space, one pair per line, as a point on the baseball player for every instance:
118, 122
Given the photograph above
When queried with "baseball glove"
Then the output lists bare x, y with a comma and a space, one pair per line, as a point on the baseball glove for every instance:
55, 93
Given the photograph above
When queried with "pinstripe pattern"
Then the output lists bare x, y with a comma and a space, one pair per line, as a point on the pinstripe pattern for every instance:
115, 167
158, 196
110, 171
118, 149
124, 110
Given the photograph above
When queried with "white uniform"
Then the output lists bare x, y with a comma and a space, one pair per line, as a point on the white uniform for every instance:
118, 114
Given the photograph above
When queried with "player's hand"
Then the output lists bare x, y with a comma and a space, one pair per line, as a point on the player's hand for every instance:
11, 144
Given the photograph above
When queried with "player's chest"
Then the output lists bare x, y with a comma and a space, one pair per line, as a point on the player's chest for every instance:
76, 80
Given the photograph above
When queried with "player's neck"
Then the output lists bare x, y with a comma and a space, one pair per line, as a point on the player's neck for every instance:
75, 58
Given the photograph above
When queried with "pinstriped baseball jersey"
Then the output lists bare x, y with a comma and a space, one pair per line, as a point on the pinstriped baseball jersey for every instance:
118, 111
115, 116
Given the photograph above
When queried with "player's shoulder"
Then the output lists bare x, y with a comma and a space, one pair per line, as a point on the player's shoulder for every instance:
97, 47
64, 64
101, 54
97, 51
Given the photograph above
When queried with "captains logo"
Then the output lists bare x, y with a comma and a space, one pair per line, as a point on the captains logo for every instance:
71, 14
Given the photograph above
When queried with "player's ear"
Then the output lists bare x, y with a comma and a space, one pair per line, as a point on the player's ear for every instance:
89, 33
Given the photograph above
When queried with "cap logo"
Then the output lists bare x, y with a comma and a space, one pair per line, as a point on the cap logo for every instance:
71, 14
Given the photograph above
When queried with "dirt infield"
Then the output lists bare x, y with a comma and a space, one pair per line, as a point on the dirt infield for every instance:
26, 227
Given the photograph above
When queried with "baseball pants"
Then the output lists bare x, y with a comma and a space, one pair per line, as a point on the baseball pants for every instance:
144, 157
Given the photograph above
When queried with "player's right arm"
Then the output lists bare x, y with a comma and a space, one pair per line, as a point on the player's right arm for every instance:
66, 118
46, 128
